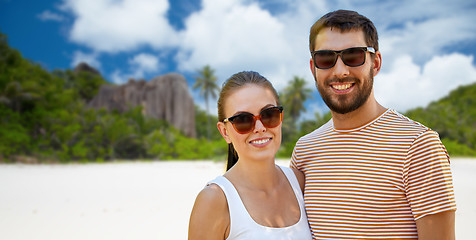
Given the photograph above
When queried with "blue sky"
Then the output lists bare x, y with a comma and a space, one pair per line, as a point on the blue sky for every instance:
428, 46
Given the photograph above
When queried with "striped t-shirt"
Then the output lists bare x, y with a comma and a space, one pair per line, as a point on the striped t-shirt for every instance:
374, 181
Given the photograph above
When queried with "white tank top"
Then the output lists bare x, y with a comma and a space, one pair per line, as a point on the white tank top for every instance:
242, 226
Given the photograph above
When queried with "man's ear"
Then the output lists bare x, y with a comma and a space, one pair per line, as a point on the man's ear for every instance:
313, 69
377, 64
223, 131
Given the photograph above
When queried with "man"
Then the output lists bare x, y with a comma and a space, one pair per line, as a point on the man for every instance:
371, 173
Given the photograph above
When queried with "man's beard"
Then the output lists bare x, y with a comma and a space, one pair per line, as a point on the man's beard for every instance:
344, 104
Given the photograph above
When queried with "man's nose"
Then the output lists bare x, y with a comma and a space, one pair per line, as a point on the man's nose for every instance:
340, 69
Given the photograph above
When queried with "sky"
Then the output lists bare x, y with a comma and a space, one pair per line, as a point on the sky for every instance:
428, 46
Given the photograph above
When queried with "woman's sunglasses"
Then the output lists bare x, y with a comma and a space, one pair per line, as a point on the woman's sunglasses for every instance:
245, 122
352, 57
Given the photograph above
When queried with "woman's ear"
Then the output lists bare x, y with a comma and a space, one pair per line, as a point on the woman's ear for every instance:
223, 131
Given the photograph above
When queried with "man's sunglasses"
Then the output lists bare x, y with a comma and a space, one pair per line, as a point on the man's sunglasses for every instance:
352, 57
245, 122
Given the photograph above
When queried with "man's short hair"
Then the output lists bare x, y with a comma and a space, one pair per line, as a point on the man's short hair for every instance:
345, 21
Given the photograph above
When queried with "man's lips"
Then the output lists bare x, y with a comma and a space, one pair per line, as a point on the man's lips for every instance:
342, 87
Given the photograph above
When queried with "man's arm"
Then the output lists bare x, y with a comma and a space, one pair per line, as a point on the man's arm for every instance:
300, 177
429, 187
437, 226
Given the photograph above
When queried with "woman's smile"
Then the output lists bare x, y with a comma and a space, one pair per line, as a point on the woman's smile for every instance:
261, 142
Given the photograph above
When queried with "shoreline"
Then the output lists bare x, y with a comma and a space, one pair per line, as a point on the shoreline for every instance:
121, 161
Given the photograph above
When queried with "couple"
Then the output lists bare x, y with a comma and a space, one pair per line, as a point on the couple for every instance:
369, 173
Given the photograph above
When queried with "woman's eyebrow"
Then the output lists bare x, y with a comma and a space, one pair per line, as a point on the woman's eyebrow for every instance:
267, 106
263, 108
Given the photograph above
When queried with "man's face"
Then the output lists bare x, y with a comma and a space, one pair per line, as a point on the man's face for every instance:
343, 88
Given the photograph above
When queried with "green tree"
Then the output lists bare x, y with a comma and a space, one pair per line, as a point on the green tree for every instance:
311, 125
86, 84
15, 97
14, 137
202, 118
294, 96
206, 81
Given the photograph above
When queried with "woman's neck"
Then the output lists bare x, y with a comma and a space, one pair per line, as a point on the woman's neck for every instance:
259, 175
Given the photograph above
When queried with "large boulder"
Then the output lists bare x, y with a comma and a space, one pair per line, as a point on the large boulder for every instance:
164, 97
84, 67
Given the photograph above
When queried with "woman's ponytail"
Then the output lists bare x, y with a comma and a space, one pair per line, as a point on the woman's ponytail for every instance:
232, 156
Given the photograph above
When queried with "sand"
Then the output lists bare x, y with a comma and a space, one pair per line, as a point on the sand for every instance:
136, 200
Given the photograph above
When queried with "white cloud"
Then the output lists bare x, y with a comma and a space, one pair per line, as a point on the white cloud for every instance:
50, 16
408, 85
144, 63
112, 26
140, 65
424, 40
118, 77
235, 35
90, 58
422, 29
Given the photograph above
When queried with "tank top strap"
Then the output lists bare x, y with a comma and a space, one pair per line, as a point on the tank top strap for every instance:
292, 179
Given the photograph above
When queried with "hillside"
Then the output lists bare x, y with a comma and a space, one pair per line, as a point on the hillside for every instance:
44, 117
454, 118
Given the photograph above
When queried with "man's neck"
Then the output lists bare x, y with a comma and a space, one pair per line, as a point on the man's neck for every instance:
359, 117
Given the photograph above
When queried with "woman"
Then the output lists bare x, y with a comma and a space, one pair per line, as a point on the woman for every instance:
255, 198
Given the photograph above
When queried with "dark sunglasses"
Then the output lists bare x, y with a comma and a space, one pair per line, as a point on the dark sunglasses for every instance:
352, 57
245, 122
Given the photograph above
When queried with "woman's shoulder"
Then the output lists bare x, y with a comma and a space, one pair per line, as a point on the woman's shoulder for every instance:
212, 194
209, 213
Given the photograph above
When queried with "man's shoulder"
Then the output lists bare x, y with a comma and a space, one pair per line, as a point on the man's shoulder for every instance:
392, 122
400, 122
320, 131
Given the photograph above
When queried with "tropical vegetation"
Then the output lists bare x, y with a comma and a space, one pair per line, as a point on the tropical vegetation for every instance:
44, 118
454, 118
206, 81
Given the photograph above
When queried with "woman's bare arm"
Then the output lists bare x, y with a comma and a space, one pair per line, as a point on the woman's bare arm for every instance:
210, 215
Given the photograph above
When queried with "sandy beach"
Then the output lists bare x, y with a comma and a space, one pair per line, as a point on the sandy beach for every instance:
136, 200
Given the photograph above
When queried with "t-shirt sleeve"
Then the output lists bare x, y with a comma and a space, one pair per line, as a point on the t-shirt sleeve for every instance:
294, 159
427, 176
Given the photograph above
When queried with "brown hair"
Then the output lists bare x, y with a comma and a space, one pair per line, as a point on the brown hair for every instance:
345, 20
231, 85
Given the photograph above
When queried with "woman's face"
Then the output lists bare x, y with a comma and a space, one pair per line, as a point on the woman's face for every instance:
261, 143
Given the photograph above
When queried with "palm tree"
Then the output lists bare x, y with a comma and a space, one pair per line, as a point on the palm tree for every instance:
206, 81
294, 96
